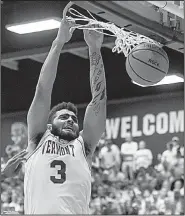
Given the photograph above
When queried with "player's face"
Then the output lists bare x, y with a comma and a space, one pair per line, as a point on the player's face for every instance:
65, 125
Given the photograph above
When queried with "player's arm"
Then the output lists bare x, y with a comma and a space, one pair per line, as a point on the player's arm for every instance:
39, 110
95, 115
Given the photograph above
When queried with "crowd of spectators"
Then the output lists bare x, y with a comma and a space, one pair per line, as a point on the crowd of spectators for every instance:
12, 189
124, 180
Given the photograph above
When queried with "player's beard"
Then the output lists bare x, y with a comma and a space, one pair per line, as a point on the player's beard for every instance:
65, 135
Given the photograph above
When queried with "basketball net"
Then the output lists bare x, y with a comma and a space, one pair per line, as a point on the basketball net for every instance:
126, 40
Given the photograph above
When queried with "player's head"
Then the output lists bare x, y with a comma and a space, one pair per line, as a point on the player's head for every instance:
63, 118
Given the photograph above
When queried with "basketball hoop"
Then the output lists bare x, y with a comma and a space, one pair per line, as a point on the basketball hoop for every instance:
126, 40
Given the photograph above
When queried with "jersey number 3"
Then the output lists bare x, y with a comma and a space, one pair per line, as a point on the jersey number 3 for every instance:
60, 172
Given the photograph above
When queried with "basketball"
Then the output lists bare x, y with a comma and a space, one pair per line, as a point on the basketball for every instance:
147, 64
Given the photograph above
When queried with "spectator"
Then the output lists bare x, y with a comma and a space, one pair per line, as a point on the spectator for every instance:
110, 156
96, 179
155, 194
2, 163
96, 160
19, 138
95, 207
176, 145
159, 165
164, 173
19, 134
12, 150
166, 185
143, 157
111, 208
128, 150
177, 169
114, 175
177, 202
182, 151
177, 185
182, 191
102, 141
14, 202
160, 204
167, 155
5, 199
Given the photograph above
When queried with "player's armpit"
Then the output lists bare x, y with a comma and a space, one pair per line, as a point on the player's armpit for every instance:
33, 143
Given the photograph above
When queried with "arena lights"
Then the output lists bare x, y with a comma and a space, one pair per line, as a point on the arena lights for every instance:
170, 79
35, 26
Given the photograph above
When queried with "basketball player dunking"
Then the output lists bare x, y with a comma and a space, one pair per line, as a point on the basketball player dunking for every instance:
57, 171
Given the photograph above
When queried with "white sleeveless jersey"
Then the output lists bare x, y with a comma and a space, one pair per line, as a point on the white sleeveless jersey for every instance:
57, 178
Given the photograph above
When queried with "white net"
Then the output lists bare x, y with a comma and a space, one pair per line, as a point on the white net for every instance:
125, 40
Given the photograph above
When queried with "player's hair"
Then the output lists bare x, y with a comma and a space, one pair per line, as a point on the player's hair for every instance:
64, 105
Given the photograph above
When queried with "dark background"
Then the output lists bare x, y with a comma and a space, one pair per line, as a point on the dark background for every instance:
72, 82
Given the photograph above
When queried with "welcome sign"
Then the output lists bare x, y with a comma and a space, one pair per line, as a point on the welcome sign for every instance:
147, 125
153, 119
